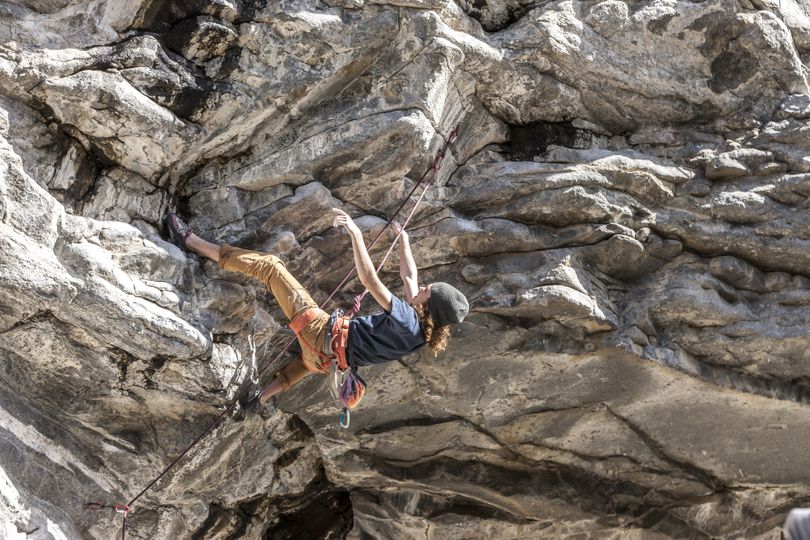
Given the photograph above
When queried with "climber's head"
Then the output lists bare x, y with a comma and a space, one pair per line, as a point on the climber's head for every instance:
438, 306
447, 304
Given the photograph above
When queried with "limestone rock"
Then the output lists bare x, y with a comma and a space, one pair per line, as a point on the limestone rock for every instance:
624, 205
796, 106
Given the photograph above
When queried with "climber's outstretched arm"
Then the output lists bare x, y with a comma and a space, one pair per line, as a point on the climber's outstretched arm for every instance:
362, 261
407, 266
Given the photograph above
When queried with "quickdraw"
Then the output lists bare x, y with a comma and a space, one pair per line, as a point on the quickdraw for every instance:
351, 389
119, 508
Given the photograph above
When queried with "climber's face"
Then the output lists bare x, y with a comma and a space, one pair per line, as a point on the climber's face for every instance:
422, 296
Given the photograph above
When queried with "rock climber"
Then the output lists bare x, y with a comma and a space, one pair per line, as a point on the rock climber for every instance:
403, 327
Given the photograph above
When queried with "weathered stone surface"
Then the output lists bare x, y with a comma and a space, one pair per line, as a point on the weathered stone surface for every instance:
795, 15
796, 106
624, 206
66, 23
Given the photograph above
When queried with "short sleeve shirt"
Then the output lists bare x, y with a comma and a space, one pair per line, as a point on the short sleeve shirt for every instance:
374, 339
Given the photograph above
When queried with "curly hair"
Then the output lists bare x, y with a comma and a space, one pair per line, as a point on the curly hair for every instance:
436, 338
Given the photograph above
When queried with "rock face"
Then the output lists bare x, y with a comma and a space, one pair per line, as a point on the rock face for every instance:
625, 207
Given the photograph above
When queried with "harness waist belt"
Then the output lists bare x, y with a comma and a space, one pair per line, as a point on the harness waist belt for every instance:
340, 335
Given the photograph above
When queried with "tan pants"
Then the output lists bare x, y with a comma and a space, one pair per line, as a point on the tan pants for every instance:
290, 295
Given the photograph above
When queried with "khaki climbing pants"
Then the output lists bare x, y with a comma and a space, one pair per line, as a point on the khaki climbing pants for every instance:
291, 297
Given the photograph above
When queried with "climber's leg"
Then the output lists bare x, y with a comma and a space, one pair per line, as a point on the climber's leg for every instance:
292, 298
284, 380
202, 247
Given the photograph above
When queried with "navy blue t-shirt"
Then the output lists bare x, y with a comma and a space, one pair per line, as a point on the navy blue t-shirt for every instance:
374, 339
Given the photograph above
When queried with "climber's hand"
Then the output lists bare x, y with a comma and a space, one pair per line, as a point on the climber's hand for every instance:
395, 228
342, 219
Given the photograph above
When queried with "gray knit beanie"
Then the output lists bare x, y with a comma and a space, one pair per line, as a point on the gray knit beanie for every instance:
447, 304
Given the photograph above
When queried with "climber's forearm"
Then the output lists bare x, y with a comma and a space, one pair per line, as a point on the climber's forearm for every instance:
362, 260
366, 272
407, 266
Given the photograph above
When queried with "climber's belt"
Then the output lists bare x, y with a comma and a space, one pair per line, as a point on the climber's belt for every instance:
340, 335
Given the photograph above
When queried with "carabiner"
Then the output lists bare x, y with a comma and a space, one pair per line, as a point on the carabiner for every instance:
345, 418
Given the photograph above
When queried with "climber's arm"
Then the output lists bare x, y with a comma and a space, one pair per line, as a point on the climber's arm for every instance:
362, 261
407, 266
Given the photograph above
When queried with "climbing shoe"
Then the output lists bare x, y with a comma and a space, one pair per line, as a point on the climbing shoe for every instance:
178, 230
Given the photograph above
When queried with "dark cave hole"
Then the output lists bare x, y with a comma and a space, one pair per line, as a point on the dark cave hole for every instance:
328, 516
532, 140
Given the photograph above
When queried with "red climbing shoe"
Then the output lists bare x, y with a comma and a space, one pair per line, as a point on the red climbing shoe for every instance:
178, 230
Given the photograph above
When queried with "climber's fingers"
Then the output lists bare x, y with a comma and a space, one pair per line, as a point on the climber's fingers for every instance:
342, 219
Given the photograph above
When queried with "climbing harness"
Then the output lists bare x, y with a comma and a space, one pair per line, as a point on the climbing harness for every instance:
351, 387
353, 381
